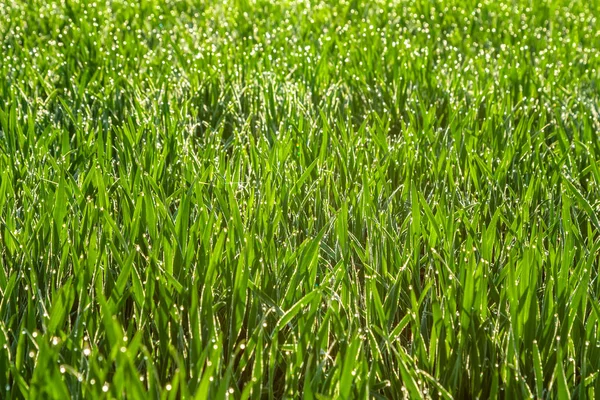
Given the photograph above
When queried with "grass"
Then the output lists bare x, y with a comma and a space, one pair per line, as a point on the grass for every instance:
299, 199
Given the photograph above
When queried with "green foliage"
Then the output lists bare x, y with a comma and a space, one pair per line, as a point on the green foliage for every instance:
299, 199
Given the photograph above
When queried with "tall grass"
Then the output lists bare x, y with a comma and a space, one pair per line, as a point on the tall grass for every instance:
299, 199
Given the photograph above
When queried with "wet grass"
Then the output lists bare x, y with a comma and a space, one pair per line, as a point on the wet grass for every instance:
254, 199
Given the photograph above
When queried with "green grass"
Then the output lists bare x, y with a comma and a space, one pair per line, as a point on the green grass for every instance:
299, 199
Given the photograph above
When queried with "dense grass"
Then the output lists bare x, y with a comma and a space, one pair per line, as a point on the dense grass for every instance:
254, 199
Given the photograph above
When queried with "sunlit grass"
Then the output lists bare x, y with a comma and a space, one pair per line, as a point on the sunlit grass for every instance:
299, 199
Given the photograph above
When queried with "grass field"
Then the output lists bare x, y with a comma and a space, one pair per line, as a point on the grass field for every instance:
299, 199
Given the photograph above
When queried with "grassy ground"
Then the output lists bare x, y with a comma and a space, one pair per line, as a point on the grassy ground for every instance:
299, 199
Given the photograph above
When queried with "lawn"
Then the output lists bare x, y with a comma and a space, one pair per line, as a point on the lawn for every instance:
253, 199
